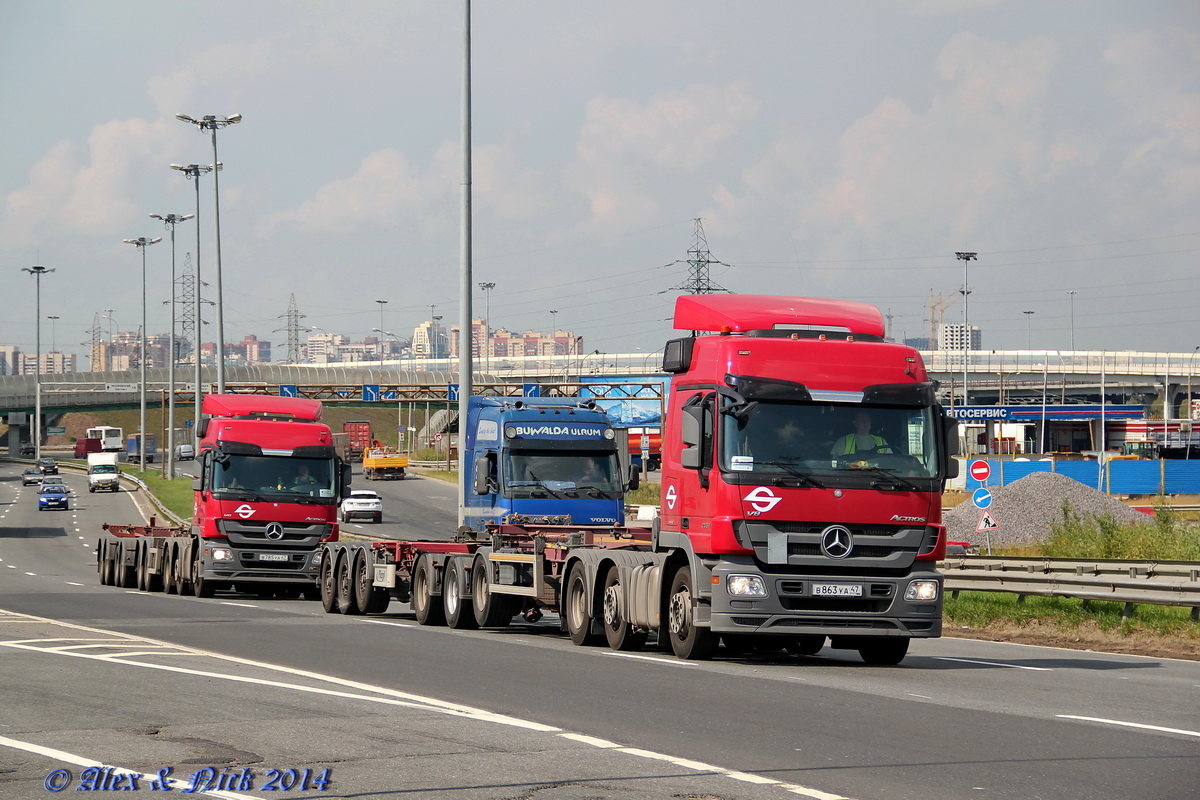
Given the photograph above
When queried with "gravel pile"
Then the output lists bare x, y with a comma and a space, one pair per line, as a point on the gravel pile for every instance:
1024, 510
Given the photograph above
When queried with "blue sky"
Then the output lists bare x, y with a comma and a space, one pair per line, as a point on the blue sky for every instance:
840, 150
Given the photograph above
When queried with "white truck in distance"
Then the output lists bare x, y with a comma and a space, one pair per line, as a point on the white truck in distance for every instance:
103, 473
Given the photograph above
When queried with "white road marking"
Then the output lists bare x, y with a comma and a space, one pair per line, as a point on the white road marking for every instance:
1122, 723
993, 663
372, 694
241, 605
666, 661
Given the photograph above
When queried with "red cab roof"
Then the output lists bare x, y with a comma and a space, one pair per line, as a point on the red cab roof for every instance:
246, 405
756, 312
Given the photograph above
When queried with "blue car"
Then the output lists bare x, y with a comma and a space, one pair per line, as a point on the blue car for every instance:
54, 495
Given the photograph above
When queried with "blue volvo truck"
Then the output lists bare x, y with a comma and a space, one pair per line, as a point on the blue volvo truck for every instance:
549, 461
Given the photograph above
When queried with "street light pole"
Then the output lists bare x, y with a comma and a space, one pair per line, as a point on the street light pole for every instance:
487, 325
141, 243
1071, 293
171, 220
213, 124
1028, 329
966, 258
382, 303
37, 272
193, 172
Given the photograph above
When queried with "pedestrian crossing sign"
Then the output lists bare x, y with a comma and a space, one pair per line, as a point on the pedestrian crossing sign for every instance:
987, 523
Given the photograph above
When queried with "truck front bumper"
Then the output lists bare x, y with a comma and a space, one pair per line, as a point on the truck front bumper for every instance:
224, 563
829, 605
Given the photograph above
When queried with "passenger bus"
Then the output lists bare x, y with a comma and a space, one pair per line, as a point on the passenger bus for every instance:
111, 439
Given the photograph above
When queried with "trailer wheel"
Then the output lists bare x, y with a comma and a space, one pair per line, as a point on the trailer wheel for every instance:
182, 587
885, 652
201, 586
428, 610
346, 602
371, 599
460, 614
491, 610
327, 582
168, 570
620, 633
687, 641
575, 609
102, 564
154, 583
126, 574
139, 566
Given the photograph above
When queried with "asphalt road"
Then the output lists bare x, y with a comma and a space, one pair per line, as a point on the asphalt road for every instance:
395, 709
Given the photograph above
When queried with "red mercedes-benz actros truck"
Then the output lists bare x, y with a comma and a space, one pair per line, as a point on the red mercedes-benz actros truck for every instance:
266, 499
803, 461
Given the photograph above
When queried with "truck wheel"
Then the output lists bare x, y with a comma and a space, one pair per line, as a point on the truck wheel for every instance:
575, 609
460, 613
201, 586
620, 633
154, 583
371, 599
428, 610
885, 652
140, 566
491, 610
182, 587
327, 583
687, 641
346, 601
126, 575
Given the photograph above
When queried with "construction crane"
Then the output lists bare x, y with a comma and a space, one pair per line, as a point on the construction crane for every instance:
937, 312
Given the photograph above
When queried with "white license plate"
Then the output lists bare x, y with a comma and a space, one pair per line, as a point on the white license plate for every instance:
837, 590
273, 557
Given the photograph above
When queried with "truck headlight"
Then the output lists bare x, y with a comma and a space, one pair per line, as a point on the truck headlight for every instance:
921, 590
746, 586
222, 554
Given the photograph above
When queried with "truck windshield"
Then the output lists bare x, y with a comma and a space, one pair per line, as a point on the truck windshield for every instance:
528, 472
274, 476
825, 438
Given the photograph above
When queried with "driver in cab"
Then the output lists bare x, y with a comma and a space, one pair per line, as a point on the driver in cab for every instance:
861, 441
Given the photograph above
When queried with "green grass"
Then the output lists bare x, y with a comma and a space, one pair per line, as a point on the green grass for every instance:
991, 609
1168, 538
176, 494
647, 494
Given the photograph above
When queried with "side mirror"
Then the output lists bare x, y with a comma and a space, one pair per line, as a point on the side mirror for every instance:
635, 477
691, 432
202, 427
197, 484
481, 474
347, 475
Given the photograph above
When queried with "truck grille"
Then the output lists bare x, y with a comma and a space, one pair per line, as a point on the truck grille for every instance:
799, 544
293, 535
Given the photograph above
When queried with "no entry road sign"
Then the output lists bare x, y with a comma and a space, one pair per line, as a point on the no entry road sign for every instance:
980, 470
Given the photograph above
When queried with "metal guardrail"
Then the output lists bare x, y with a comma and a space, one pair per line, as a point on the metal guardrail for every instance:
1165, 583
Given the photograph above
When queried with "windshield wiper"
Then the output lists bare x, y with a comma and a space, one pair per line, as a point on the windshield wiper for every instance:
791, 470
891, 473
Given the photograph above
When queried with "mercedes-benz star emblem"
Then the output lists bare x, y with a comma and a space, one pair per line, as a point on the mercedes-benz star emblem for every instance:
836, 541
274, 531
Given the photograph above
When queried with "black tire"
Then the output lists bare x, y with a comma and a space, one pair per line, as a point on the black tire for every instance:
491, 610
327, 582
808, 645
575, 609
460, 613
126, 576
346, 602
688, 641
370, 598
140, 566
154, 582
621, 635
168, 571
884, 652
429, 610
201, 586
103, 565
183, 587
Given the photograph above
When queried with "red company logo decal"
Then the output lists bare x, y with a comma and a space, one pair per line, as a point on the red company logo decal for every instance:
763, 500
671, 497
